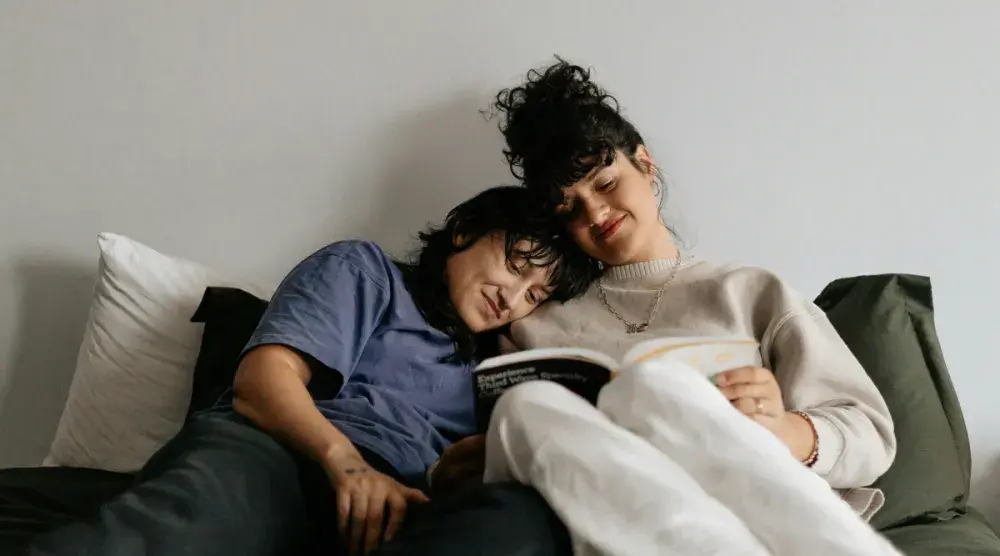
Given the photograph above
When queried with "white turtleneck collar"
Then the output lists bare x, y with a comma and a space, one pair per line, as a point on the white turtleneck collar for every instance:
640, 270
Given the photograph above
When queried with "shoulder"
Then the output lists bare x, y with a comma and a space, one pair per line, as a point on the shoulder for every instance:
366, 259
753, 287
355, 251
556, 315
750, 280
731, 272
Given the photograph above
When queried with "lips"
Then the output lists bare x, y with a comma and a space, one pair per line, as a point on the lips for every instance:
609, 228
492, 306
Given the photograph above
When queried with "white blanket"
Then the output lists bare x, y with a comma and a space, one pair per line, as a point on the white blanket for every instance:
664, 465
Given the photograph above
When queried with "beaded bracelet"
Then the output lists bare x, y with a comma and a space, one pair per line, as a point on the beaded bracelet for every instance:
814, 455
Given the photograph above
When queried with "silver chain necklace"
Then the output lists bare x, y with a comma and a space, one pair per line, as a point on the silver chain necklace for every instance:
632, 327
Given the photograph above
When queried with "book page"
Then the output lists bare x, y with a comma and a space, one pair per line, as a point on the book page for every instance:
543, 354
710, 355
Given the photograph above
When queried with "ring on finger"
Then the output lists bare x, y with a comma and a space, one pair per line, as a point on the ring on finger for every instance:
759, 405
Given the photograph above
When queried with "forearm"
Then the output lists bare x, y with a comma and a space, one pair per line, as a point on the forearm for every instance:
270, 390
821, 377
852, 451
799, 436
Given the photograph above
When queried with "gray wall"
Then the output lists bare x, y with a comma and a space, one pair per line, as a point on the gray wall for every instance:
817, 139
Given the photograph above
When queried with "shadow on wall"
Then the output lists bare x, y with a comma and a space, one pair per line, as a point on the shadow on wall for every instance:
53, 303
429, 160
432, 159
986, 493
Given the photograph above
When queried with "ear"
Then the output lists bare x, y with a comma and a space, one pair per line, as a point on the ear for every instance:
646, 161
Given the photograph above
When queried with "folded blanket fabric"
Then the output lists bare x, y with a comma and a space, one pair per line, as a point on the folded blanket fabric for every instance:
665, 465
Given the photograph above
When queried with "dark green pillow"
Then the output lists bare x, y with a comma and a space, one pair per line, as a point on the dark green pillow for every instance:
888, 322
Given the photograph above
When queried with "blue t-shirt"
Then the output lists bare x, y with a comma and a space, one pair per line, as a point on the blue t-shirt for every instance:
346, 307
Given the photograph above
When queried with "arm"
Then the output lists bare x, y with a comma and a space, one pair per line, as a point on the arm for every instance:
818, 374
270, 390
319, 321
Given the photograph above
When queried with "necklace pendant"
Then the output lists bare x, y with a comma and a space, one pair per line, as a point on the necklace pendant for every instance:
635, 328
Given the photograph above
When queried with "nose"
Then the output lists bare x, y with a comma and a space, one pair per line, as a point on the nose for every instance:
512, 296
596, 210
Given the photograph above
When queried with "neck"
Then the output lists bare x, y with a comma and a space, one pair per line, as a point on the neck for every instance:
661, 246
640, 270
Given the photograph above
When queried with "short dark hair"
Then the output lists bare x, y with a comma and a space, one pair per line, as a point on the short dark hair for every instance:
519, 215
559, 125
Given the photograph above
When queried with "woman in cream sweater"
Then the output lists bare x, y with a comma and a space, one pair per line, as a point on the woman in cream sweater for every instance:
664, 463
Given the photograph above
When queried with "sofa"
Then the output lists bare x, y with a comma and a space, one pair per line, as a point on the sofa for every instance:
194, 321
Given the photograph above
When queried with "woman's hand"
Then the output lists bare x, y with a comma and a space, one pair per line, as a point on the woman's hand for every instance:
364, 497
756, 394
461, 463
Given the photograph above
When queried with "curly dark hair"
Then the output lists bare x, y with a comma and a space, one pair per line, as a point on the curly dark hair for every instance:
559, 125
515, 212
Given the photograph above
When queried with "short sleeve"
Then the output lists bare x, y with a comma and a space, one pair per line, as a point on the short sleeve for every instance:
326, 308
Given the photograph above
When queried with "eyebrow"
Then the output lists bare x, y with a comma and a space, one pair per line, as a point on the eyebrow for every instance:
603, 172
594, 178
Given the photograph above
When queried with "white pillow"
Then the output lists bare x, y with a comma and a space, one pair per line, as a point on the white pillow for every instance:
135, 366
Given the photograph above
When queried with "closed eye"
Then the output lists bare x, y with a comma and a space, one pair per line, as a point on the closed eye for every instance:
533, 297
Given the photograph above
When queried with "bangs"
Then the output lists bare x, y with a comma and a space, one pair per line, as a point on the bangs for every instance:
572, 270
540, 254
566, 164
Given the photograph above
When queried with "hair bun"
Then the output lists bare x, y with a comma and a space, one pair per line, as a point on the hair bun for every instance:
542, 117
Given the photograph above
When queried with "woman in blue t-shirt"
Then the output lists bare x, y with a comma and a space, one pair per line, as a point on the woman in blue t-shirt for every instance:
361, 365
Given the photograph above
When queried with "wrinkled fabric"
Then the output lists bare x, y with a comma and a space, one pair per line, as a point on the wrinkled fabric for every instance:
346, 307
224, 487
665, 465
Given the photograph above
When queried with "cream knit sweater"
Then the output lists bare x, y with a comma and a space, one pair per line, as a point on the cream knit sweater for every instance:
816, 371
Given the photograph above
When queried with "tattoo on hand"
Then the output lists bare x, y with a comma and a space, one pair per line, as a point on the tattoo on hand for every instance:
357, 466
363, 470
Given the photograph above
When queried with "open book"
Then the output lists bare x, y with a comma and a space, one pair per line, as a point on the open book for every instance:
586, 371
